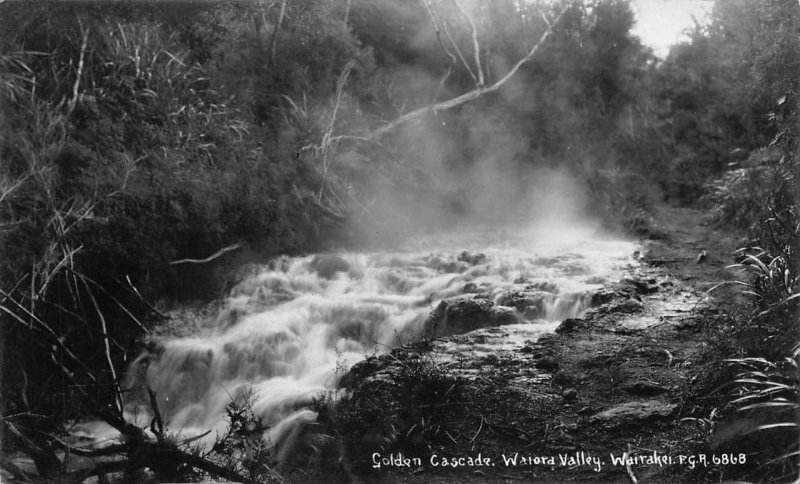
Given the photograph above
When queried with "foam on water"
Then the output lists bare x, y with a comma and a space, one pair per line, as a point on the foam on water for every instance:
290, 330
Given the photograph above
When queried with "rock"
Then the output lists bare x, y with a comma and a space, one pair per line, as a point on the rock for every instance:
503, 315
644, 388
459, 316
455, 267
547, 363
328, 265
532, 304
363, 369
626, 306
470, 287
472, 259
640, 286
561, 378
633, 412
543, 286
569, 394
571, 324
603, 297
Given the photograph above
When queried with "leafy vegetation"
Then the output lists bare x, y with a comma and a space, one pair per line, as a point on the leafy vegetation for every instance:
404, 407
147, 148
746, 85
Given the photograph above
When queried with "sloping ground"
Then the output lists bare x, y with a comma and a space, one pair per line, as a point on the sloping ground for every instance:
605, 398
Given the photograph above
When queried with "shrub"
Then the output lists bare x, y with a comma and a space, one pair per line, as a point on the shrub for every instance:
406, 412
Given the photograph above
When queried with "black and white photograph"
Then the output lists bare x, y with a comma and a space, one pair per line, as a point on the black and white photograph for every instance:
399, 241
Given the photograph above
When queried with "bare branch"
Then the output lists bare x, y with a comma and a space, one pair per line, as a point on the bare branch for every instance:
447, 52
147, 303
476, 46
106, 343
470, 95
274, 42
433, 12
209, 258
347, 12
157, 425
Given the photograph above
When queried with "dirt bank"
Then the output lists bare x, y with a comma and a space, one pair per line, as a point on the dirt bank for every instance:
608, 398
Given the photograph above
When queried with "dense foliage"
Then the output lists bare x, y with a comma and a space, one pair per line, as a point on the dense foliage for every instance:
137, 137
734, 109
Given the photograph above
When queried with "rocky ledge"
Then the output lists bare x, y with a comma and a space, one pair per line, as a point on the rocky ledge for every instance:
612, 382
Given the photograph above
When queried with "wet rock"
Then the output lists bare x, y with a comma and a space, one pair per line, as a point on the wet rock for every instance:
470, 287
363, 369
543, 286
644, 388
569, 394
455, 267
532, 304
621, 306
472, 259
641, 286
633, 412
458, 316
328, 265
547, 363
570, 325
603, 297
280, 263
503, 315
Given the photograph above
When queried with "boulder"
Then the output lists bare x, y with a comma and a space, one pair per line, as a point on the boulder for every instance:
641, 286
472, 259
631, 413
503, 315
570, 325
458, 316
532, 304
328, 265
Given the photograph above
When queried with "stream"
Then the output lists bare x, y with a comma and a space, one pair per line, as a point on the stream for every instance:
292, 328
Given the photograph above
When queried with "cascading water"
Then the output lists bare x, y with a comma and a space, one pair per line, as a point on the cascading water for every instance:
290, 330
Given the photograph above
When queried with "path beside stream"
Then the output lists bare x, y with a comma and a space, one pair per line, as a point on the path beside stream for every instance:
618, 381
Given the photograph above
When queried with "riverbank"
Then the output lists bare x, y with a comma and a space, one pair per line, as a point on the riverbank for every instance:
610, 397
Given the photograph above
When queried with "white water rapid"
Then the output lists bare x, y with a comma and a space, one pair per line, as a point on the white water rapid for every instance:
291, 329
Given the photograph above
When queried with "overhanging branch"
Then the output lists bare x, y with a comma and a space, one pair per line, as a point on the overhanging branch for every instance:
472, 94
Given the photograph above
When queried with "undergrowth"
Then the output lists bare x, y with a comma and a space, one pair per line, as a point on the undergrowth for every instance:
758, 398
403, 405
